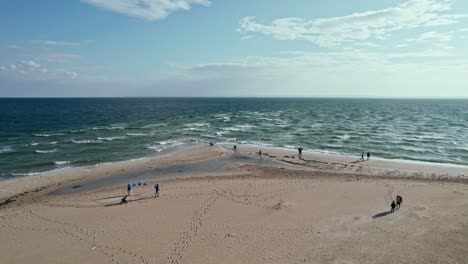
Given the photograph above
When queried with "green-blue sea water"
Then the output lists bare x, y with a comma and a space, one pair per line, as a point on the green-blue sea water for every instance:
38, 135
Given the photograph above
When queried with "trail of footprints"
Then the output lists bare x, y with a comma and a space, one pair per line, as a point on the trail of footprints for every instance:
86, 236
196, 222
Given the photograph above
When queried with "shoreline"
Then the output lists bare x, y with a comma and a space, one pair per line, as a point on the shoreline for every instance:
221, 206
450, 168
14, 187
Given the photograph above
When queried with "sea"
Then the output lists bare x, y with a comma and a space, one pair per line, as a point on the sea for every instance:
44, 134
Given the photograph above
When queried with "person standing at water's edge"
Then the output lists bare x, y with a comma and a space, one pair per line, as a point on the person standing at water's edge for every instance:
362, 156
368, 155
129, 189
156, 190
300, 151
399, 201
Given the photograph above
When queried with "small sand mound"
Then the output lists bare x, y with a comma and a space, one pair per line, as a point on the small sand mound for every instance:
281, 205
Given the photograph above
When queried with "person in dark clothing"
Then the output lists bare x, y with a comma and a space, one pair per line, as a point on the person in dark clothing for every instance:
235, 148
368, 155
393, 205
156, 190
362, 156
260, 153
211, 144
124, 200
300, 151
129, 189
399, 201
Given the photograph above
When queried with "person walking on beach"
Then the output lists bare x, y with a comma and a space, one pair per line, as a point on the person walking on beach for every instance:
393, 205
235, 148
362, 156
129, 189
260, 153
368, 155
156, 190
300, 151
399, 201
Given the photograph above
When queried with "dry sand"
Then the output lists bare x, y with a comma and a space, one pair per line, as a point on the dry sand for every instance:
329, 210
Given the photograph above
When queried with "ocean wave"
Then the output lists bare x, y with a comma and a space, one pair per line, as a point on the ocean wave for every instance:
136, 134
6, 150
111, 138
224, 117
198, 125
46, 151
344, 137
49, 135
167, 144
109, 128
62, 162
26, 174
238, 128
76, 131
34, 144
86, 141
155, 125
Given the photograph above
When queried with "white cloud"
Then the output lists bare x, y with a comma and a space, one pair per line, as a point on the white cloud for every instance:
26, 67
71, 75
363, 26
54, 43
434, 36
32, 65
147, 9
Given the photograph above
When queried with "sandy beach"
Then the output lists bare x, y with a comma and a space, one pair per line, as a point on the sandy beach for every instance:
221, 206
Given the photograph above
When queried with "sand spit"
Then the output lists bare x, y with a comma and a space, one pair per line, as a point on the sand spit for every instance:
277, 210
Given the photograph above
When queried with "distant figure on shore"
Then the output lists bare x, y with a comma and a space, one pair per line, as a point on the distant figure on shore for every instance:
300, 151
211, 144
129, 189
399, 201
393, 205
156, 190
235, 148
124, 200
362, 156
260, 153
368, 155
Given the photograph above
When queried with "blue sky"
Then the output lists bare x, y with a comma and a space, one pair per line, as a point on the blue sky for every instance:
335, 48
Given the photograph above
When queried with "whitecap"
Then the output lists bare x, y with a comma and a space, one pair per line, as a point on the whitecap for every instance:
224, 117
34, 144
86, 141
48, 135
61, 162
155, 125
46, 151
111, 138
221, 133
136, 134
344, 137
5, 150
26, 174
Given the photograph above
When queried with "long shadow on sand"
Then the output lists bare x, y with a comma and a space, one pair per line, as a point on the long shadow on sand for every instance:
381, 214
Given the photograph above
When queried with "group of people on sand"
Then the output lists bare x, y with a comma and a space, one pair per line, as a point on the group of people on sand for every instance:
129, 192
397, 205
368, 155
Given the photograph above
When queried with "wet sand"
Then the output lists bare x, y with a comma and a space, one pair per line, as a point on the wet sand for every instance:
221, 206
